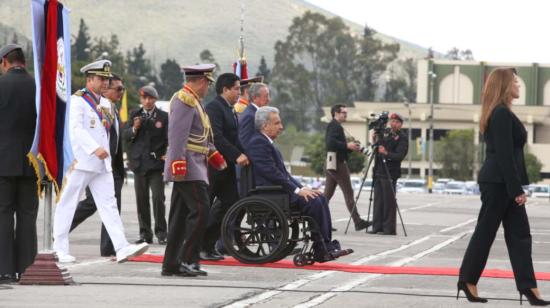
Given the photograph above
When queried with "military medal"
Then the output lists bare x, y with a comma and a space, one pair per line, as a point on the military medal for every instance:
92, 123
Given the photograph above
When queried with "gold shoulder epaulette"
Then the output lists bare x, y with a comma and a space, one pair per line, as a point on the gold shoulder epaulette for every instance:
187, 98
78, 93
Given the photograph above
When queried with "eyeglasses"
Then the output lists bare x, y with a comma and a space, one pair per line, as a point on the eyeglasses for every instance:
119, 88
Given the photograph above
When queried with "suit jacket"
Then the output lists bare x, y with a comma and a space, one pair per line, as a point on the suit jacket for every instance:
505, 137
185, 119
225, 128
87, 134
268, 165
397, 146
17, 122
148, 144
117, 161
246, 124
335, 140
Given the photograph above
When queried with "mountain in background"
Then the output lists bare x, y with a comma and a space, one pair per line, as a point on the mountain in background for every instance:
181, 29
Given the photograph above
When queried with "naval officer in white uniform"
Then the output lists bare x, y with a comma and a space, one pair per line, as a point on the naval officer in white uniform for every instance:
90, 120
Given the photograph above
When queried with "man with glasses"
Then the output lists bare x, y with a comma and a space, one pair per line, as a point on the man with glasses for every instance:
87, 207
147, 136
337, 173
90, 124
191, 147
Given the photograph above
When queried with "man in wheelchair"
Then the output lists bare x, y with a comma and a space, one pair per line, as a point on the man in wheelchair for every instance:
269, 169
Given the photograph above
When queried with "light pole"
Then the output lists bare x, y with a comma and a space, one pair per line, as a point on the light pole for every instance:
409, 137
431, 78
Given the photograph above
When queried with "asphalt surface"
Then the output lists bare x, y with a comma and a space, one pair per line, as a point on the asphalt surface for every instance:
438, 228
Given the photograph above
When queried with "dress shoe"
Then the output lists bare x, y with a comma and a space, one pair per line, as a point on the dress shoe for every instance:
462, 286
162, 241
372, 232
177, 272
386, 233
197, 268
532, 298
144, 240
362, 224
187, 269
211, 255
65, 258
333, 229
7, 278
131, 251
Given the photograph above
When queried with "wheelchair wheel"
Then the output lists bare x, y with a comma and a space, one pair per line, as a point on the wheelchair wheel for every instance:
291, 243
255, 230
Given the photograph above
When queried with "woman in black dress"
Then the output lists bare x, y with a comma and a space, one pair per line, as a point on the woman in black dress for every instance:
502, 196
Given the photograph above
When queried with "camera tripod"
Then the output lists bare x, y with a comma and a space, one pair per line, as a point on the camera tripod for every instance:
371, 157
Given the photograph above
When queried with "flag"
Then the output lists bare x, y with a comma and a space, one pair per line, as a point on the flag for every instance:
124, 108
51, 153
240, 68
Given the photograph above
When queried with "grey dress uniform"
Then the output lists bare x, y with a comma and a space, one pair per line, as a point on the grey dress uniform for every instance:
189, 139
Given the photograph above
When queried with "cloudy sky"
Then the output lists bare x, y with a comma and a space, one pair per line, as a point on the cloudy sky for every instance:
496, 31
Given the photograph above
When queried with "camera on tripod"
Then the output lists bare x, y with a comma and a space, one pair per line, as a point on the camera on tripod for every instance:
378, 121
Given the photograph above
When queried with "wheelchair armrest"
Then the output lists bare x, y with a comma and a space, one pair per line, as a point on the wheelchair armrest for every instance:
267, 188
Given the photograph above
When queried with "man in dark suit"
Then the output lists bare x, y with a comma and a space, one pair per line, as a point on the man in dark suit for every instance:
147, 140
269, 169
259, 97
223, 184
87, 207
18, 188
338, 173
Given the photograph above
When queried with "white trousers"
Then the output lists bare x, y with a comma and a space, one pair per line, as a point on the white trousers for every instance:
102, 188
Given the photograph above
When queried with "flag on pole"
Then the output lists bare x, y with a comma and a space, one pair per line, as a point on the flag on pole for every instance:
51, 153
124, 108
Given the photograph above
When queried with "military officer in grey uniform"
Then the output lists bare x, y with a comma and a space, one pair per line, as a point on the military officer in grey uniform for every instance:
90, 120
190, 148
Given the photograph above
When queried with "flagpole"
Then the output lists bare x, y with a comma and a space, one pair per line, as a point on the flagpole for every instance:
47, 244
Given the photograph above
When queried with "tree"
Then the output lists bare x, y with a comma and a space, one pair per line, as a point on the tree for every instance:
264, 71
373, 59
316, 152
533, 166
171, 78
455, 152
81, 44
402, 88
457, 54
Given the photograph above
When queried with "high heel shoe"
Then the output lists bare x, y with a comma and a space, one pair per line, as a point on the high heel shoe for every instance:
533, 300
471, 298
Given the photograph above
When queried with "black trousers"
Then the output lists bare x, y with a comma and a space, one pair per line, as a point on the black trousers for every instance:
18, 211
224, 189
341, 177
87, 208
189, 209
153, 181
317, 208
497, 207
384, 206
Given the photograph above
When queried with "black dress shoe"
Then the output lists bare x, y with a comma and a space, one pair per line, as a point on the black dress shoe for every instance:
211, 255
187, 269
362, 224
8, 278
372, 232
162, 241
143, 240
197, 268
178, 272
333, 229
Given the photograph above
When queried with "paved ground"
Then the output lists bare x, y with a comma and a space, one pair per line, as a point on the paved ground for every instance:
439, 228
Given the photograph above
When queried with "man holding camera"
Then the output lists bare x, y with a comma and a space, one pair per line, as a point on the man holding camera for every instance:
147, 136
391, 150
337, 169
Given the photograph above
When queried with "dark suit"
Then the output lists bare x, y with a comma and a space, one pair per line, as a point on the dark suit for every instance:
223, 184
246, 124
18, 188
335, 141
500, 180
385, 205
87, 207
269, 169
146, 147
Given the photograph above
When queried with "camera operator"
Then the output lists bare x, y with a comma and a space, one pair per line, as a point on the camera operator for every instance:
392, 146
337, 168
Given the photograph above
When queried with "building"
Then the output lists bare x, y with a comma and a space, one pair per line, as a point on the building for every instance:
456, 87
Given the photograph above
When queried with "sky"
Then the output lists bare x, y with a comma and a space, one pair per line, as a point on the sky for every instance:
495, 31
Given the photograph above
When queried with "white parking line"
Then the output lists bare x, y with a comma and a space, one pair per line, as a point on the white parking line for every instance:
300, 282
402, 211
354, 283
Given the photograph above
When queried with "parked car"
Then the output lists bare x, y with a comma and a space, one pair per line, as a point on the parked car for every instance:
444, 181
472, 188
438, 188
541, 191
412, 186
456, 188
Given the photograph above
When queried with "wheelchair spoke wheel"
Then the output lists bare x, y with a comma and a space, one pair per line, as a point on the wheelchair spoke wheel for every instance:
255, 230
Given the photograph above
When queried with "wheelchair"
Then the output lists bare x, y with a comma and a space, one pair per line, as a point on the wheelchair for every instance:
263, 226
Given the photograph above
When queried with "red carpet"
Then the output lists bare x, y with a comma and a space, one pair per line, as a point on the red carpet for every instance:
343, 267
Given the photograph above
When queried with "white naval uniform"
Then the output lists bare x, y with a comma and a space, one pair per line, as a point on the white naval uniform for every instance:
87, 134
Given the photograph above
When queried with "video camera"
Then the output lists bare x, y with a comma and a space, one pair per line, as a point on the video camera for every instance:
378, 121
